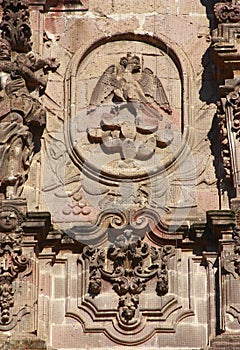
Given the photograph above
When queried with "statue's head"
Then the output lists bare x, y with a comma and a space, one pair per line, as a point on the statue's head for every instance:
9, 219
5, 50
132, 62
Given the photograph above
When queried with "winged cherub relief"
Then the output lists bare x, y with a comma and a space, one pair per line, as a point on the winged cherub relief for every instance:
137, 98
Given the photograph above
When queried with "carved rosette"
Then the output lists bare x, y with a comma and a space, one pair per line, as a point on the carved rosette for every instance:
227, 12
128, 264
13, 264
15, 25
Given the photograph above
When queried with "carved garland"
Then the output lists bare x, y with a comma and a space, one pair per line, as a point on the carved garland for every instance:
224, 142
128, 264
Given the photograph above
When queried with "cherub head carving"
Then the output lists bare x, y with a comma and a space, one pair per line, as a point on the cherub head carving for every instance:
10, 219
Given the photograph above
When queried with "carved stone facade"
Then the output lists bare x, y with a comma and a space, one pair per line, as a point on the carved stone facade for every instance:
119, 174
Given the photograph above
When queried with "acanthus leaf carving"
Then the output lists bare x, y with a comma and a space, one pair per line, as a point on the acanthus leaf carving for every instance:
128, 264
15, 25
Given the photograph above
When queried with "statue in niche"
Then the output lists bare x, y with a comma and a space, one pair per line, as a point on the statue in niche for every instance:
22, 117
136, 96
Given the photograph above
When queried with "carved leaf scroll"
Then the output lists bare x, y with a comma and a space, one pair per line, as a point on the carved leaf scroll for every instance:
13, 264
128, 264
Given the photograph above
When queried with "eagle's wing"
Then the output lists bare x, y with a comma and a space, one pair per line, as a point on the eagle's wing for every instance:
152, 87
105, 86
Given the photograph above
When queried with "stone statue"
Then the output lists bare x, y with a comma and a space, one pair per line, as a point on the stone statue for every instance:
22, 117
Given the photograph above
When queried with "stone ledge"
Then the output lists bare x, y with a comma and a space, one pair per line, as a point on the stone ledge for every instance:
24, 344
226, 342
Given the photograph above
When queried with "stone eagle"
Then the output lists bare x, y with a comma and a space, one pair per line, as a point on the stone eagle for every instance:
126, 82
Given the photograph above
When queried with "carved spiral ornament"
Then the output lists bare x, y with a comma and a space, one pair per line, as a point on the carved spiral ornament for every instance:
227, 12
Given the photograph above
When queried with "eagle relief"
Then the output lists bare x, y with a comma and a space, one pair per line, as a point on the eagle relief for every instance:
129, 122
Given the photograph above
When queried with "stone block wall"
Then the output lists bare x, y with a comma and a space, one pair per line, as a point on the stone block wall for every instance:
119, 215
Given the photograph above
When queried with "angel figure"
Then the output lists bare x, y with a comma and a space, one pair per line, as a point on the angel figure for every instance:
22, 116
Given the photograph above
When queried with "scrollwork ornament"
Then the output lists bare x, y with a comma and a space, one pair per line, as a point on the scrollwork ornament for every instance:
13, 263
227, 12
128, 264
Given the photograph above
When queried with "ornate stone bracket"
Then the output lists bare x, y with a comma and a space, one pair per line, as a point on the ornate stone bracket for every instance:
128, 264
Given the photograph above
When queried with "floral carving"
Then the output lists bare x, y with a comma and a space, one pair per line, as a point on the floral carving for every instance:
12, 262
128, 264
227, 11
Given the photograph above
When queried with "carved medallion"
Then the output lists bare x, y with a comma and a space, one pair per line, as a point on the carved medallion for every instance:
127, 132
